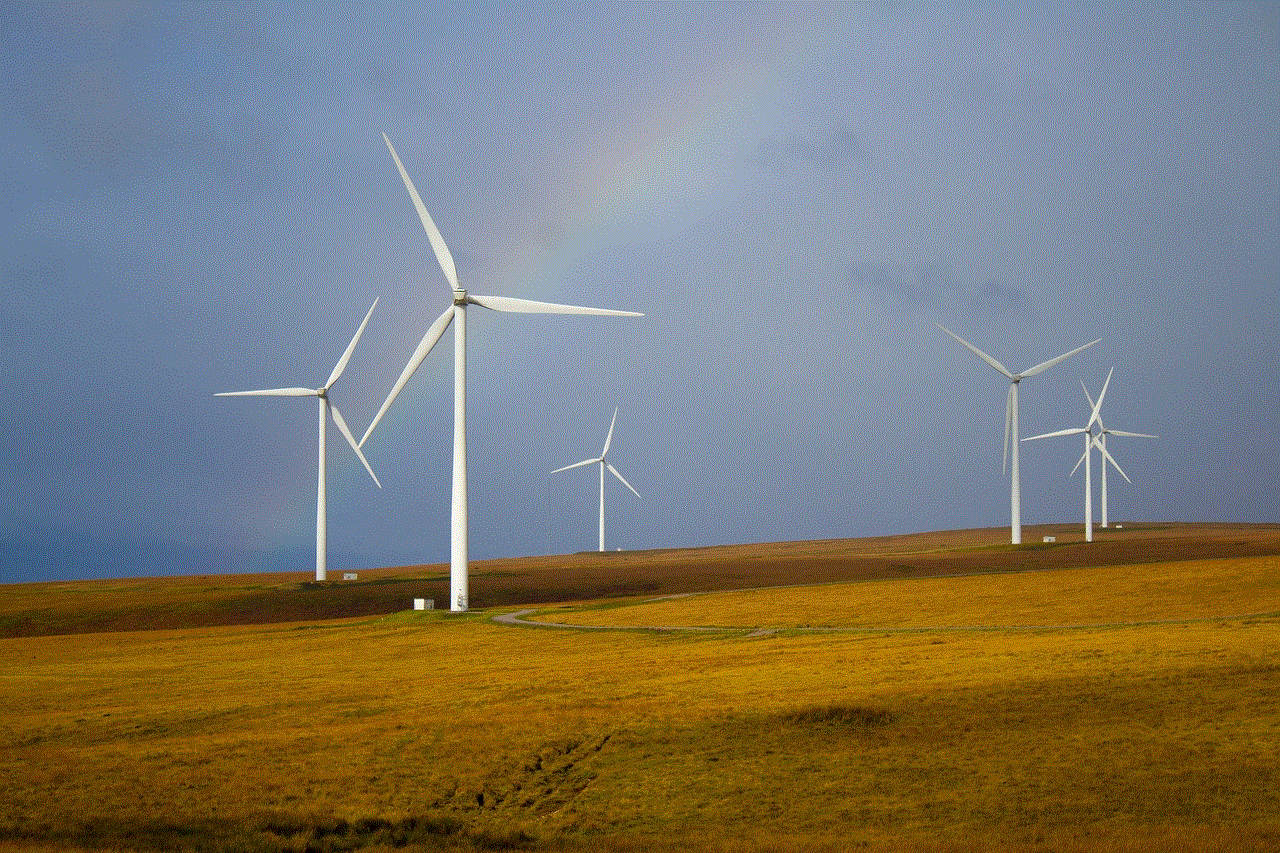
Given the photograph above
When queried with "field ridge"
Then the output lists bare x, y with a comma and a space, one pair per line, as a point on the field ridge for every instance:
176, 603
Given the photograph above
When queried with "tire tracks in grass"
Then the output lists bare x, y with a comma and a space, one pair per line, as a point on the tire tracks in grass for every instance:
544, 783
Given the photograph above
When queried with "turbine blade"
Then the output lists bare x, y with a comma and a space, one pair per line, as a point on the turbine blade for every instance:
1097, 407
608, 438
576, 465
1089, 397
1072, 431
528, 306
424, 346
433, 234
271, 392
1130, 434
615, 473
1078, 463
979, 353
351, 440
1114, 464
346, 356
1043, 366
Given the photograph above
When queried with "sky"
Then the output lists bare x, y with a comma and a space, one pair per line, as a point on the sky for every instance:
198, 199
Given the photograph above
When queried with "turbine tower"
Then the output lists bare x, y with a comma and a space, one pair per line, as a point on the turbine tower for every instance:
326, 408
1011, 423
458, 311
1101, 442
1089, 441
604, 463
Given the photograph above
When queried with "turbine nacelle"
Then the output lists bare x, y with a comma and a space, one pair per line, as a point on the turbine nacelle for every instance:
327, 409
603, 462
1101, 443
1091, 440
460, 298
1009, 455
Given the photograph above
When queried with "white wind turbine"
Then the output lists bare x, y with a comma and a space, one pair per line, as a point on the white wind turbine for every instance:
458, 311
326, 408
1100, 441
604, 463
1011, 423
1089, 441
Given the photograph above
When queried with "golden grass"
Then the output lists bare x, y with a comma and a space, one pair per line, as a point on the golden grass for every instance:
190, 602
1096, 595
996, 739
451, 732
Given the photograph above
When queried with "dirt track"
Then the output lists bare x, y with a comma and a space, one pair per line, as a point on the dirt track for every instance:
540, 580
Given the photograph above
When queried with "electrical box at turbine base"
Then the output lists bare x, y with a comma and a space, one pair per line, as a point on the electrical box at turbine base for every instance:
424, 604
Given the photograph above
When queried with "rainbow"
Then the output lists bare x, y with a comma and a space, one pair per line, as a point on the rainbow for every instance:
661, 163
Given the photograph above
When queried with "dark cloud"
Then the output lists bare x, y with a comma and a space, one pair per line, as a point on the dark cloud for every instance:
839, 149
198, 199
935, 287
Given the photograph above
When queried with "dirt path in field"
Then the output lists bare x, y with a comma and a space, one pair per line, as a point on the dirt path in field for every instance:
518, 619
869, 560
175, 603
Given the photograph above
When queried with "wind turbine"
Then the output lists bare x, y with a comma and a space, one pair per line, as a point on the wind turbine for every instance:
604, 463
1101, 442
1011, 423
326, 408
458, 311
1089, 441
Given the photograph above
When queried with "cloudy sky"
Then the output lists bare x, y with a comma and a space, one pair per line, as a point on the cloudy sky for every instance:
198, 199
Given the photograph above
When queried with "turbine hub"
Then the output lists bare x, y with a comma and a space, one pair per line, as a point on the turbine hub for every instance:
459, 297
322, 393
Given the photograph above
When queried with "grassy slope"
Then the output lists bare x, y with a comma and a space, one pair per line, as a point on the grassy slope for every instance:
162, 603
1148, 592
452, 731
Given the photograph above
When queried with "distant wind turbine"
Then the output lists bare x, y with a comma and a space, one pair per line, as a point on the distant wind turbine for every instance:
458, 311
1089, 441
604, 463
1011, 423
1100, 442
326, 408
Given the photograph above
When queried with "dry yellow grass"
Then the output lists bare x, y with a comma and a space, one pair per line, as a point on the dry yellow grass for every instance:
452, 732
1085, 596
189, 602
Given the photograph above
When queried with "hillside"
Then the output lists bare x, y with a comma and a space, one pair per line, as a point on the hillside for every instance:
945, 697
212, 600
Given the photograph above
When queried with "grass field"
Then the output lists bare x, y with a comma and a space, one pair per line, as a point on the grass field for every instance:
1140, 715
1103, 595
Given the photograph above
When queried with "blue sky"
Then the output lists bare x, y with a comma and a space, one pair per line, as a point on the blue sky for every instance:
198, 199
